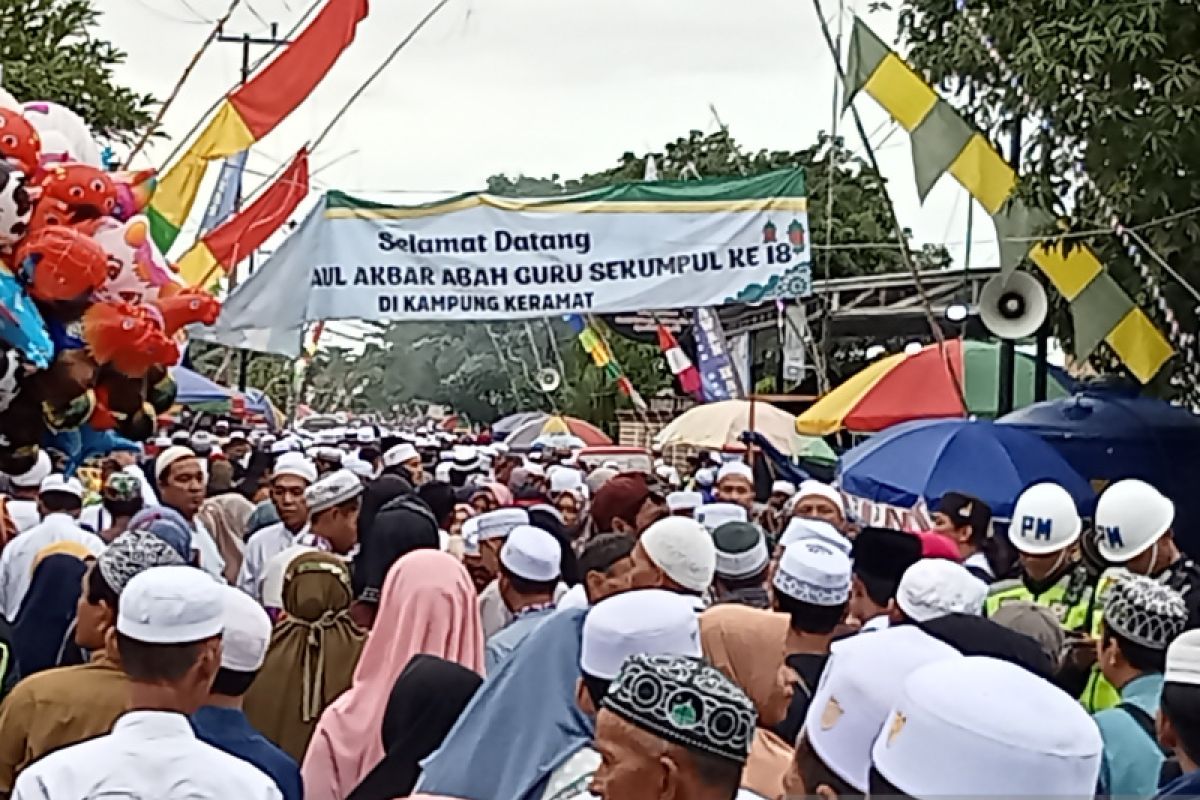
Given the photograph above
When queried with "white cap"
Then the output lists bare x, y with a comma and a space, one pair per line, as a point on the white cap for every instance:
168, 457
1044, 520
812, 488
532, 553
683, 550
326, 453
34, 475
465, 456
164, 441
800, 528
705, 477
738, 469
247, 632
61, 484
358, 467
813, 571
978, 725
276, 571
684, 501
714, 515
1131, 516
295, 464
203, 440
500, 523
442, 471
535, 469
566, 479
647, 621
399, 454
855, 695
181, 437
171, 605
935, 587
334, 489
786, 488
365, 436
1183, 659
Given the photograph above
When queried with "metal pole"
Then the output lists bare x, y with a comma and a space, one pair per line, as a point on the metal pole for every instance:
1008, 349
1041, 370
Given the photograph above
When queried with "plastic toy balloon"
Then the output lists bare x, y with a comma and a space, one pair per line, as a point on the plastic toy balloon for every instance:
72, 194
137, 272
186, 308
9, 102
58, 263
129, 338
16, 206
84, 443
19, 141
51, 118
21, 324
134, 192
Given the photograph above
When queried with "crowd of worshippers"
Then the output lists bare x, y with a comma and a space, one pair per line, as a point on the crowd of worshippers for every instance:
363, 616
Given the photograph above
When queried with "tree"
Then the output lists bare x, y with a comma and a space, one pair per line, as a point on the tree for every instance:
1108, 87
49, 53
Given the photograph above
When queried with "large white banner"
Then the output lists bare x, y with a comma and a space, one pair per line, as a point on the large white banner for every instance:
478, 257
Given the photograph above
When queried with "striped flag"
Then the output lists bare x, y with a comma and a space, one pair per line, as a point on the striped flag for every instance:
681, 366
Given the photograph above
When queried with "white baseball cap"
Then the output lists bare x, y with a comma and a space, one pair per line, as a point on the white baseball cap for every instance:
1131, 516
1044, 520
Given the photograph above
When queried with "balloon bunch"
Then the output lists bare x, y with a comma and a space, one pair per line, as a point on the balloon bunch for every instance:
91, 312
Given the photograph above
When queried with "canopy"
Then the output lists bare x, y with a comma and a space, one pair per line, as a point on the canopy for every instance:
923, 460
921, 385
258, 406
199, 392
522, 437
718, 426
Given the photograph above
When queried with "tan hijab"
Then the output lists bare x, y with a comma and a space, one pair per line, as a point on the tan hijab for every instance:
747, 644
225, 517
314, 650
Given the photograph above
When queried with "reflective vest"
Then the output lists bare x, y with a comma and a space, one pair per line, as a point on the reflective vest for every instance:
1072, 599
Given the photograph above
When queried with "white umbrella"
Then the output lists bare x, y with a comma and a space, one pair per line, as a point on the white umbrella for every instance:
718, 425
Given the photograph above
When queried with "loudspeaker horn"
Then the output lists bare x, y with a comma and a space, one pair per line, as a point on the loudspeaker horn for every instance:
1013, 308
548, 379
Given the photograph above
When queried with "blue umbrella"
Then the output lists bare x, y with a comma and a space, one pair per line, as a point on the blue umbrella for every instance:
198, 391
927, 458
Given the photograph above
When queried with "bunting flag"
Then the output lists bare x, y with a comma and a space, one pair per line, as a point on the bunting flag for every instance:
602, 357
253, 110
681, 366
227, 194
220, 250
944, 142
718, 376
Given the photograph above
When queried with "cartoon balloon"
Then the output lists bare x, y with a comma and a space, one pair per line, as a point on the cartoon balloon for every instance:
19, 141
16, 207
128, 338
134, 191
58, 263
137, 271
70, 129
72, 194
21, 324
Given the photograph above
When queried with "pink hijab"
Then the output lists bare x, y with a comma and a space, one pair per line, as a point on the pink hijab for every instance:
428, 605
499, 492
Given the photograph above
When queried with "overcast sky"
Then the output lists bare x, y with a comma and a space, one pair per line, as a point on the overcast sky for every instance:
536, 87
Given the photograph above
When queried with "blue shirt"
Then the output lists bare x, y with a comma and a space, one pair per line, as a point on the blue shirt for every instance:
228, 729
509, 638
1132, 760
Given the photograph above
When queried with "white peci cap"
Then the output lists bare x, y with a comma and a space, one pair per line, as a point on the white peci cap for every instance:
813, 571
684, 501
247, 632
683, 550
714, 515
532, 553
934, 587
645, 621
171, 605
332, 490
399, 454
800, 528
34, 475
1183, 659
1130, 517
500, 523
735, 469
62, 485
785, 488
295, 464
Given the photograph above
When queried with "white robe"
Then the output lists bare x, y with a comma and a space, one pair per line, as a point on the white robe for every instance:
16, 562
149, 754
262, 547
24, 514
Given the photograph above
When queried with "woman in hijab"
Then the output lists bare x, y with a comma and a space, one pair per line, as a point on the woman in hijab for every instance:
312, 655
748, 645
46, 615
491, 496
428, 605
426, 701
225, 516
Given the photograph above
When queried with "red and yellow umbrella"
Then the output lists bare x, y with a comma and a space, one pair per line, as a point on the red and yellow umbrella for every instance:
921, 385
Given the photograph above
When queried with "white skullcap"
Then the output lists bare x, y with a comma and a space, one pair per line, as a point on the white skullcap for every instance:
442, 471
34, 475
360, 468
684, 501
714, 515
168, 457
978, 725
855, 695
934, 587
737, 469
813, 571
500, 523
295, 464
365, 436
62, 485
181, 437
399, 454
332, 490
566, 479
535, 469
783, 487
683, 550
465, 456
1183, 659
329, 454
171, 605
276, 571
705, 477
283, 446
811, 488
247, 632
532, 553
647, 621
164, 441
800, 528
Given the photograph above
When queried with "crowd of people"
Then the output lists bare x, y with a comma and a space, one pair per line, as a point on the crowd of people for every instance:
363, 614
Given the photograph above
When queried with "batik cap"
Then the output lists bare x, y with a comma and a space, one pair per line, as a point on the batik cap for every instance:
121, 486
132, 552
1145, 611
812, 571
685, 702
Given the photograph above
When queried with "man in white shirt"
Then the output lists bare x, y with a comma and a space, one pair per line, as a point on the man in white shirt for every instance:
22, 507
59, 503
293, 474
168, 634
